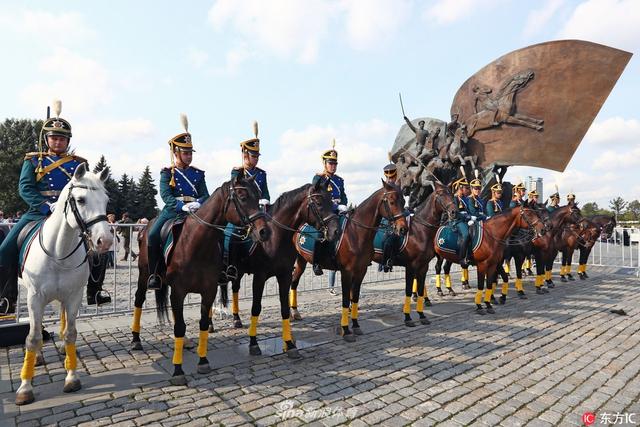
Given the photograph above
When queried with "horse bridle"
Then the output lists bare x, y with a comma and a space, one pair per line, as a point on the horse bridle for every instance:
323, 221
85, 232
246, 220
387, 207
531, 225
444, 209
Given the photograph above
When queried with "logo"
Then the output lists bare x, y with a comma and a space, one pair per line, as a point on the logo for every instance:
302, 240
588, 418
441, 241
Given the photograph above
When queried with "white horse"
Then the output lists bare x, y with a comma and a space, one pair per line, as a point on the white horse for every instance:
57, 268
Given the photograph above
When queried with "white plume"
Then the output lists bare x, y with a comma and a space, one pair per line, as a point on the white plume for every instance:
476, 173
255, 128
462, 170
184, 121
57, 107
497, 178
333, 144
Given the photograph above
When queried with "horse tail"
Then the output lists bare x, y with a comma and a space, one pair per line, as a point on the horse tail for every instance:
224, 294
161, 302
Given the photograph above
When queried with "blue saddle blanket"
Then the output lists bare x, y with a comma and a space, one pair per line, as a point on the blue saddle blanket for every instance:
447, 237
26, 241
384, 232
244, 246
307, 236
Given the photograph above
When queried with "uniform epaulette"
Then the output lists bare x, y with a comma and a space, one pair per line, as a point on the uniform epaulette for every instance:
199, 170
79, 159
33, 154
166, 169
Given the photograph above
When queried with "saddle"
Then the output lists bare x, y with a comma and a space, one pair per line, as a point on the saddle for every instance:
384, 234
169, 234
447, 237
308, 237
242, 247
25, 239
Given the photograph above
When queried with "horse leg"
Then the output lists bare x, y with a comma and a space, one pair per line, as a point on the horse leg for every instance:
422, 289
488, 293
470, 160
582, 263
256, 308
563, 268
141, 295
505, 284
414, 290
205, 308
447, 279
518, 259
569, 261
235, 303
346, 279
515, 121
356, 284
289, 344
33, 344
465, 276
298, 271
478, 297
438, 269
72, 381
527, 118
61, 333
409, 279
507, 266
179, 329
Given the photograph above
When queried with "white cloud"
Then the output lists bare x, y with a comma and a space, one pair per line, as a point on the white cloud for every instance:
617, 160
611, 22
615, 131
371, 22
538, 18
80, 82
286, 28
445, 12
45, 27
197, 57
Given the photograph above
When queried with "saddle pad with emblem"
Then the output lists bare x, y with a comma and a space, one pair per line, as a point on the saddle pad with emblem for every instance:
383, 234
307, 235
170, 233
244, 247
25, 239
447, 238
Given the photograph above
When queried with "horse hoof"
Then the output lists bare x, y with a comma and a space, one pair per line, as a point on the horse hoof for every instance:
71, 386
425, 321
39, 359
581, 277
480, 311
563, 279
237, 324
490, 310
551, 285
136, 345
254, 350
349, 338
204, 368
571, 278
211, 330
357, 331
440, 293
452, 293
539, 291
502, 300
522, 296
25, 397
545, 291
188, 344
178, 380
295, 315
409, 323
414, 297
294, 354
427, 302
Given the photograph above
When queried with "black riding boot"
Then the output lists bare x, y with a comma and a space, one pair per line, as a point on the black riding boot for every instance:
98, 265
8, 290
388, 254
317, 269
95, 294
154, 283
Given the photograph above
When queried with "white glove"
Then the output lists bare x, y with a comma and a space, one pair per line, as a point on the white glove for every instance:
194, 206
470, 223
263, 202
185, 207
473, 218
52, 206
342, 208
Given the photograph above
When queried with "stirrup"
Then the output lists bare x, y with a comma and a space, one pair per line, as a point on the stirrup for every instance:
231, 272
8, 304
99, 299
317, 270
151, 286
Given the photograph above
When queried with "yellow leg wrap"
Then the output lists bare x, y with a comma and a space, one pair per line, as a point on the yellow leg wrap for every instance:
487, 294
177, 350
505, 288
406, 308
286, 330
547, 275
568, 268
354, 310
447, 280
29, 365
438, 281
137, 313
478, 298
415, 286
527, 263
420, 305
582, 268
344, 320
506, 268
519, 284
70, 361
253, 326
539, 280
293, 298
235, 303
202, 343
465, 274
63, 323
424, 294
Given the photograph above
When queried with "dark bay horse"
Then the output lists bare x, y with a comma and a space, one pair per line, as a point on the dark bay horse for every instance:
309, 204
490, 253
355, 250
582, 234
196, 263
418, 252
606, 225
558, 219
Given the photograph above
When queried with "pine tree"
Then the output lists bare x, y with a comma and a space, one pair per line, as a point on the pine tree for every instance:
146, 195
17, 137
124, 192
110, 184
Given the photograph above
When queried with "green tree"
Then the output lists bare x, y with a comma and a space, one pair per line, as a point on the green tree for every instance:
590, 209
146, 195
617, 205
633, 210
110, 184
123, 201
17, 137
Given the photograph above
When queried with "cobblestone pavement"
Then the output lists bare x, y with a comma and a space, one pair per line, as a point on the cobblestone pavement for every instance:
542, 361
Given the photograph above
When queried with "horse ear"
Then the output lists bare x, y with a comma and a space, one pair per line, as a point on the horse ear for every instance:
385, 184
317, 186
104, 174
80, 171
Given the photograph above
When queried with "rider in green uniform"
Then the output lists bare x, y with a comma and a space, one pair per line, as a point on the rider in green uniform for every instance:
183, 190
463, 219
554, 202
494, 205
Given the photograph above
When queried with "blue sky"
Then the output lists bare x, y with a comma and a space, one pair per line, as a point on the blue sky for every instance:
308, 71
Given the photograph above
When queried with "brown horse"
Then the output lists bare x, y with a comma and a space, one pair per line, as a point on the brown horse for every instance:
583, 234
355, 251
490, 253
558, 219
310, 204
419, 251
196, 263
606, 225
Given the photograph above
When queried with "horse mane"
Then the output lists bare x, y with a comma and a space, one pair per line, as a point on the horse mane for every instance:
286, 198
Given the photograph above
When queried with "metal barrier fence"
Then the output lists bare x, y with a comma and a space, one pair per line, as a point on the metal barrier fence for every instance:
621, 250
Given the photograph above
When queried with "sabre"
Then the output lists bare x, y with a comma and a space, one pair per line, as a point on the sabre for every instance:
401, 105
416, 159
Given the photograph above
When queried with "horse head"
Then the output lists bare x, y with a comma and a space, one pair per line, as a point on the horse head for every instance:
242, 207
393, 210
85, 207
530, 218
320, 211
444, 202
